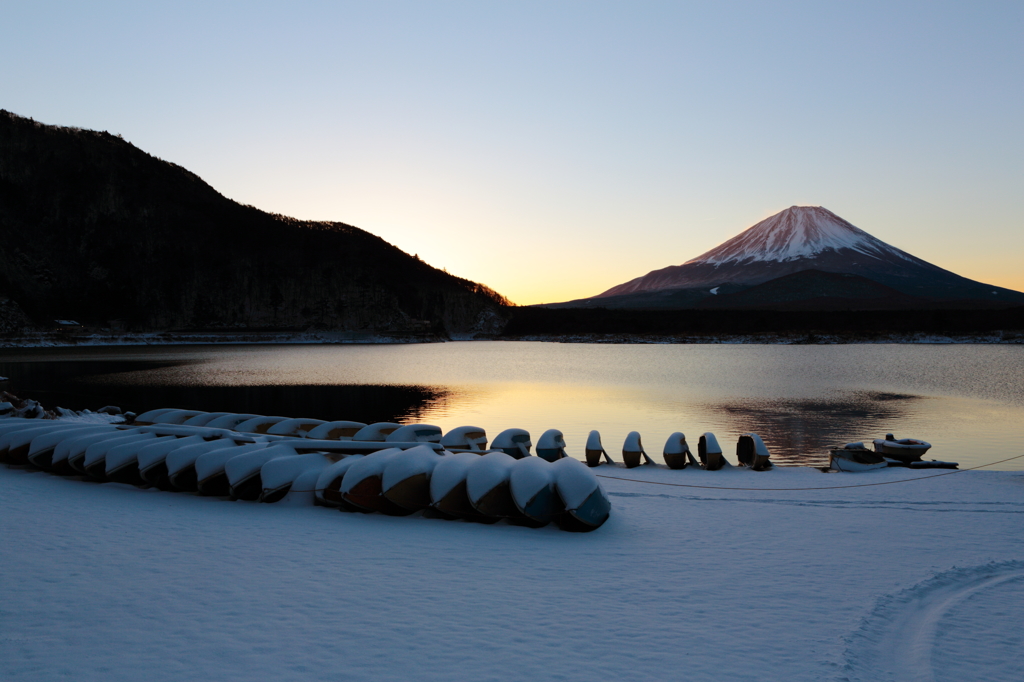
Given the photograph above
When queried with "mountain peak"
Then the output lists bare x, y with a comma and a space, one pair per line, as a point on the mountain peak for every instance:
797, 232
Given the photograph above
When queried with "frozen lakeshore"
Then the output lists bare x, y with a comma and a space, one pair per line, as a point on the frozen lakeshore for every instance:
917, 580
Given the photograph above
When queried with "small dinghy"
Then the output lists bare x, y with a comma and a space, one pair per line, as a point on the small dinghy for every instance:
854, 457
229, 421
94, 463
905, 449
415, 433
243, 471
298, 428
551, 445
177, 417
122, 460
710, 452
362, 486
259, 424
633, 450
406, 479
448, 496
532, 484
594, 450
293, 478
40, 452
752, 452
337, 430
376, 432
471, 438
148, 417
513, 442
677, 453
487, 486
211, 478
587, 506
152, 459
205, 418
15, 443
181, 464
328, 484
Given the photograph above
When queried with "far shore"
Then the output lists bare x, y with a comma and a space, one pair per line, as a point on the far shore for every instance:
57, 340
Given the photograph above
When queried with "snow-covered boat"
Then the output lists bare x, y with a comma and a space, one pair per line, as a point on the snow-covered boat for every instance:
363, 487
904, 449
594, 450
587, 506
293, 478
243, 471
633, 450
415, 433
854, 457
448, 496
406, 479
710, 452
532, 484
752, 452
298, 428
513, 442
487, 485
551, 445
328, 484
211, 479
336, 430
677, 453
471, 438
378, 431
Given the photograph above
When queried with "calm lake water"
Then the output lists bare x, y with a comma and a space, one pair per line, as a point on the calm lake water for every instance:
967, 400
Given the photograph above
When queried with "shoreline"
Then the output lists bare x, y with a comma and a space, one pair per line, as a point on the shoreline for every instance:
57, 340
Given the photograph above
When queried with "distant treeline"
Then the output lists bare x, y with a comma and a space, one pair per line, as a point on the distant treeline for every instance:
573, 321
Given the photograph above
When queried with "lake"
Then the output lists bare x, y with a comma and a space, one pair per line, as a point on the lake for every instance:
967, 400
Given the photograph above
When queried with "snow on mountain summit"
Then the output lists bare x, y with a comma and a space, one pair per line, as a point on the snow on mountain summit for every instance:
797, 232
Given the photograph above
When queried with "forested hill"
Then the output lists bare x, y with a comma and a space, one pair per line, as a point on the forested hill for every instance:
94, 229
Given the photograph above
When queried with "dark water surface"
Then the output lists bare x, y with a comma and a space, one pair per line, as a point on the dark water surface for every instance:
967, 400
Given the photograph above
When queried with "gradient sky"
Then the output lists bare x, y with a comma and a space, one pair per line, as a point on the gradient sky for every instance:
555, 149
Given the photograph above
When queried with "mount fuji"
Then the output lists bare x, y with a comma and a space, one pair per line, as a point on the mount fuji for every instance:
797, 256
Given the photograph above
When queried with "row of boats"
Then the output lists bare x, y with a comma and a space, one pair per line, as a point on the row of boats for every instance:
385, 467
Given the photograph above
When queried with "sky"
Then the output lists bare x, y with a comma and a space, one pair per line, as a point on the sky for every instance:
552, 150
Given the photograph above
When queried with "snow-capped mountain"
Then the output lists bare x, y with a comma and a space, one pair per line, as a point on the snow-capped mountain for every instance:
809, 238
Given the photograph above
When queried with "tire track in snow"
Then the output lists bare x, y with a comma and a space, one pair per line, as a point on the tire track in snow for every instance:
897, 641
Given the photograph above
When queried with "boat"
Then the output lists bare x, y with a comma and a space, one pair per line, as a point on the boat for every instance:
587, 506
448, 496
854, 457
677, 453
94, 463
152, 459
328, 484
513, 442
471, 438
362, 485
532, 484
293, 478
595, 450
122, 461
243, 471
211, 479
336, 430
40, 452
551, 445
752, 452
905, 449
633, 450
415, 433
258, 424
181, 464
298, 428
487, 486
406, 479
710, 452
377, 431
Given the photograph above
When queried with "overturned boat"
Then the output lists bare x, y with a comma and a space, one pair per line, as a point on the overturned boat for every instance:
752, 452
513, 442
534, 491
587, 506
406, 479
594, 450
710, 452
633, 450
551, 445
448, 496
677, 453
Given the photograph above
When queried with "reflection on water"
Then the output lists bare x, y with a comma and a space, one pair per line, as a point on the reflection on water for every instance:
967, 400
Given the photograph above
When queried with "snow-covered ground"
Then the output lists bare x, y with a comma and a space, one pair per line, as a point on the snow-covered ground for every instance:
913, 581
